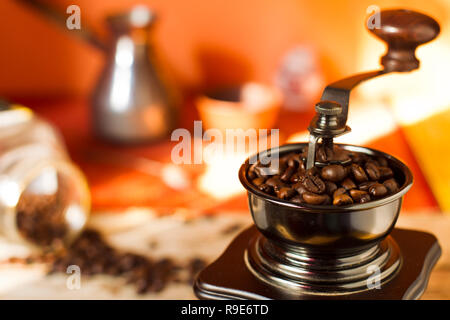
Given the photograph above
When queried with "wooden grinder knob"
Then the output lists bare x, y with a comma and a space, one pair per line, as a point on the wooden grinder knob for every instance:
403, 31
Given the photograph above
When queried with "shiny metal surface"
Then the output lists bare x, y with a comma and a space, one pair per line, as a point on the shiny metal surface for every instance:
322, 274
328, 229
324, 249
131, 101
230, 277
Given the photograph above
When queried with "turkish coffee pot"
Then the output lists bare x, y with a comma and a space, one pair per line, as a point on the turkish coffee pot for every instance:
309, 251
133, 100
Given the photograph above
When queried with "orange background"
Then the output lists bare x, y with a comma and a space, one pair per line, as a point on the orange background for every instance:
203, 42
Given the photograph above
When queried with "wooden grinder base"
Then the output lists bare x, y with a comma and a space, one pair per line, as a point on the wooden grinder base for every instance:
229, 278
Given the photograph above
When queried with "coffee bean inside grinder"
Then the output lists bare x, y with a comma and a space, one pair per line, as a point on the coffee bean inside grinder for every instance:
361, 179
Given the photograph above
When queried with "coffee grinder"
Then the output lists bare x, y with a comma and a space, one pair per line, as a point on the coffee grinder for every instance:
301, 251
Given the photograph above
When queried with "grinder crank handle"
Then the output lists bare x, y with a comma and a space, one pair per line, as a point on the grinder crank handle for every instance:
403, 31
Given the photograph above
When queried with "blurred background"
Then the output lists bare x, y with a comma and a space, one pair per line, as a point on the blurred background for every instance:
293, 46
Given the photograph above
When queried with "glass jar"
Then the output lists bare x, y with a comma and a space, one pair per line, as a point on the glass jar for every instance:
44, 197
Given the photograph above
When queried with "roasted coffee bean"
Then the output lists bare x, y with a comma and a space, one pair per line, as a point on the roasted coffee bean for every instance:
328, 200
314, 171
373, 171
348, 170
348, 184
313, 198
331, 187
338, 192
331, 152
333, 172
264, 170
295, 177
342, 200
128, 261
282, 166
354, 156
361, 180
326, 154
386, 173
301, 167
321, 155
258, 181
266, 188
94, 256
304, 154
297, 199
289, 159
365, 185
288, 174
252, 171
391, 185
378, 190
295, 160
275, 182
285, 193
283, 161
358, 157
341, 156
300, 188
358, 173
365, 199
314, 184
382, 161
359, 195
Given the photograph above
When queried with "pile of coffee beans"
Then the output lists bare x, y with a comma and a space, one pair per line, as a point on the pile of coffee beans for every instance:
94, 256
40, 219
361, 179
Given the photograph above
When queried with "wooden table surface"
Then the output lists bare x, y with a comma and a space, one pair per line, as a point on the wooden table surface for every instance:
71, 116
172, 237
439, 284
